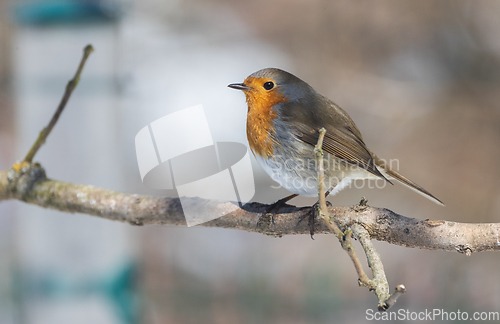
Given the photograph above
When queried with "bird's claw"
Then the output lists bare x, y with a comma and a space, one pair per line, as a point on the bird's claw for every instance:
264, 218
269, 212
312, 214
272, 209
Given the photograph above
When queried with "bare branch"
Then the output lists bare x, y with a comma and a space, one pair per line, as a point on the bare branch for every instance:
363, 279
67, 93
323, 210
379, 282
343, 237
398, 291
31, 186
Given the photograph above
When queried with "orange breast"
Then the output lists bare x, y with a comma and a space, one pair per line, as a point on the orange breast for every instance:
260, 119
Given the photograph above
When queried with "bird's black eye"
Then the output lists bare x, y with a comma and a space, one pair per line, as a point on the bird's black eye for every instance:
268, 85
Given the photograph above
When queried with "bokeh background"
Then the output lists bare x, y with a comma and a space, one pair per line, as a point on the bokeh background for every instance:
420, 78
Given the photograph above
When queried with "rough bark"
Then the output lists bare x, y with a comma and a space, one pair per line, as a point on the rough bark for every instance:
30, 185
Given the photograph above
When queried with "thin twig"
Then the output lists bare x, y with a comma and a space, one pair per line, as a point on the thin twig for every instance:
379, 282
400, 289
323, 210
343, 237
67, 94
363, 279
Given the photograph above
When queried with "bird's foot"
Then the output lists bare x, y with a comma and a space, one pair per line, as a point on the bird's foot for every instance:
312, 214
272, 209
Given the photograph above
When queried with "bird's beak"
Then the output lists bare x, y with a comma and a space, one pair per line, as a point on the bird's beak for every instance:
239, 86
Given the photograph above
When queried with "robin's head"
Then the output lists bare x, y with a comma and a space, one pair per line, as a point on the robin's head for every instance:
266, 92
268, 87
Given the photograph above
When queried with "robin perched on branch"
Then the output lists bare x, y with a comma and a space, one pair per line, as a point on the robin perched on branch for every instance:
284, 117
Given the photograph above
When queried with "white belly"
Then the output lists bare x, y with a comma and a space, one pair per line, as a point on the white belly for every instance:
302, 182
289, 178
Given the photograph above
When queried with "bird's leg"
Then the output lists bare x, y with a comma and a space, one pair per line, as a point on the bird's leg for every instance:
313, 213
271, 209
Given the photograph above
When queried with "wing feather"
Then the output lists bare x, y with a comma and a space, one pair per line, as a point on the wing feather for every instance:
343, 144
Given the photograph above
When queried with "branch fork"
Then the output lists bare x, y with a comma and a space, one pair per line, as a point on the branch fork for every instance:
379, 282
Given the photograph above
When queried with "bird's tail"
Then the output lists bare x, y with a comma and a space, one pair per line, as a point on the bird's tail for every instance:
392, 174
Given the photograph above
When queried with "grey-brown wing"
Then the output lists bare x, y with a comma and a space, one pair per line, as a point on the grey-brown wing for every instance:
343, 144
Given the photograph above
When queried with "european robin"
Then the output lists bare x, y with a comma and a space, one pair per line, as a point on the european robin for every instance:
284, 117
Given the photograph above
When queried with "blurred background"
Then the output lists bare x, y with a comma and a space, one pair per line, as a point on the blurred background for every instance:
421, 79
